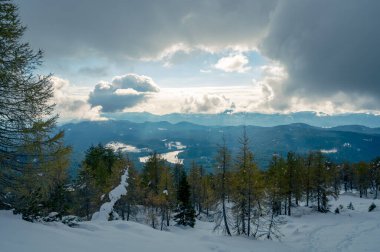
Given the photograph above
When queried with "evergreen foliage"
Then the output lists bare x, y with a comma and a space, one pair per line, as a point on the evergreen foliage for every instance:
185, 213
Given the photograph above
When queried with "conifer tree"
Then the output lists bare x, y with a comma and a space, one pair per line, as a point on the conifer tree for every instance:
322, 181
167, 196
362, 174
223, 164
208, 193
151, 174
28, 144
25, 98
195, 182
43, 175
247, 182
375, 175
185, 213
100, 171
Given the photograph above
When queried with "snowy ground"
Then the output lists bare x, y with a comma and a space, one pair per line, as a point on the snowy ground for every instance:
171, 157
352, 230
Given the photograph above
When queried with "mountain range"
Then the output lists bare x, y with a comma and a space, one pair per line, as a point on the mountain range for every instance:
258, 119
184, 141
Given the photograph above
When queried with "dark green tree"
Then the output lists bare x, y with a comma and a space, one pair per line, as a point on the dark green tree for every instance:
185, 213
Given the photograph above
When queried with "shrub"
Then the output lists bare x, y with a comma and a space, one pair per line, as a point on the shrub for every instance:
371, 207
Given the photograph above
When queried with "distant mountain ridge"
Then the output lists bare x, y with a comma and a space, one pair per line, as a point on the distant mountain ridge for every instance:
257, 119
344, 143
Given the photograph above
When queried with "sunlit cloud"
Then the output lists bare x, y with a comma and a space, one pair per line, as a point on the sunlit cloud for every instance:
122, 92
233, 63
71, 102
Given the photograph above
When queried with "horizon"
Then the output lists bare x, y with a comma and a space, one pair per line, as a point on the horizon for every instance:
248, 118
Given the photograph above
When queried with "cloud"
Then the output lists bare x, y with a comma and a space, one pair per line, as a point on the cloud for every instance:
208, 103
325, 52
142, 29
124, 91
71, 102
233, 63
329, 50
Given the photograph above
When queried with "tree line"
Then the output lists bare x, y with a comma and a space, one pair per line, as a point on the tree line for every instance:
238, 196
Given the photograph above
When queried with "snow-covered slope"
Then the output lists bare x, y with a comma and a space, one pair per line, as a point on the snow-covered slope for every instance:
352, 230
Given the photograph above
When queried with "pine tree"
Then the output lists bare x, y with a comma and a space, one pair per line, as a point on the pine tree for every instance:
185, 213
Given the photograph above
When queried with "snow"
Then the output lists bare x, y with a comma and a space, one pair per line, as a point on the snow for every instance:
116, 146
175, 145
117, 236
351, 230
347, 145
334, 150
107, 208
171, 157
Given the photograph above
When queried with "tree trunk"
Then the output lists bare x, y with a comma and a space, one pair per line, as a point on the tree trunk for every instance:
243, 213
224, 196
128, 211
249, 214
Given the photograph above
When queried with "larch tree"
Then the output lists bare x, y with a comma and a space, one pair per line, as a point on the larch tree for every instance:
223, 166
25, 98
30, 149
195, 182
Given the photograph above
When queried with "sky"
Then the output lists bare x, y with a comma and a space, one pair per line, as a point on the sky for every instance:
211, 56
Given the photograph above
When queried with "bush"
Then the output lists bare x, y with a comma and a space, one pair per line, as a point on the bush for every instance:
350, 206
337, 210
371, 207
71, 220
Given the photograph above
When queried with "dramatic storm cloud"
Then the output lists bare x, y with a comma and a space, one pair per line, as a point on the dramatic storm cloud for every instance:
123, 92
327, 47
300, 54
142, 29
